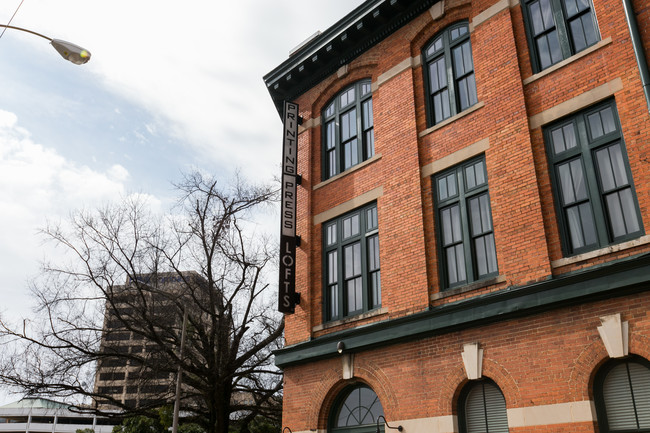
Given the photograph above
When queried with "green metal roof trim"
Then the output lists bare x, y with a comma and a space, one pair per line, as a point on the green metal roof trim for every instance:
602, 282
360, 30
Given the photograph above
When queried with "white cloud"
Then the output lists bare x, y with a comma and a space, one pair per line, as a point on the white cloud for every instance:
37, 184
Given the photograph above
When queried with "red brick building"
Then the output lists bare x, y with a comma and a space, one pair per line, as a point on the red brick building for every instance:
473, 215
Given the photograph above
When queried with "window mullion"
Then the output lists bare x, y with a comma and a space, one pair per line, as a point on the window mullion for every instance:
465, 225
562, 30
451, 81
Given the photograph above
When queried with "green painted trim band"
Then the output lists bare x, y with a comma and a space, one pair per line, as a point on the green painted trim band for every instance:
613, 279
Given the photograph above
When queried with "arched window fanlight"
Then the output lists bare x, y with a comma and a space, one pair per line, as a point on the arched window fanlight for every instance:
358, 409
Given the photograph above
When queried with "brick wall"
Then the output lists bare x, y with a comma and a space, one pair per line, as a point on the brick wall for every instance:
540, 360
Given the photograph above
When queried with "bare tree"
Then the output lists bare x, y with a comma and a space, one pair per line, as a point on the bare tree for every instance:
122, 267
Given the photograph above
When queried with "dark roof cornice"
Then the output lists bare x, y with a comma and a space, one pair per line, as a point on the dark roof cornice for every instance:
360, 30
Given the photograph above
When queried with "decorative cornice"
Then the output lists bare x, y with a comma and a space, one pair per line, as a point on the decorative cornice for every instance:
356, 33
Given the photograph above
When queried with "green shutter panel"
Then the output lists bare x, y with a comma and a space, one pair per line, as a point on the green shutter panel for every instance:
496, 410
626, 392
640, 378
485, 410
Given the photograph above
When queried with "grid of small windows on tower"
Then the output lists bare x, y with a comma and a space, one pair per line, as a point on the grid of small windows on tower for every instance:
348, 137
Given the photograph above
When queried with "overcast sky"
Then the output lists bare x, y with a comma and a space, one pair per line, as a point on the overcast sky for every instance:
171, 85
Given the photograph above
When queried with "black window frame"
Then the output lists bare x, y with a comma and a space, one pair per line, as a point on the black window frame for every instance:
599, 397
336, 124
461, 197
432, 55
335, 303
341, 400
583, 157
462, 404
559, 31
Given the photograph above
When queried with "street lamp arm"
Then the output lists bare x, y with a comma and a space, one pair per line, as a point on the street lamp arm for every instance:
69, 51
25, 30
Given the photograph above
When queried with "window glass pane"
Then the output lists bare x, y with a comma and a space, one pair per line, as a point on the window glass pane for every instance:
563, 138
348, 125
371, 219
331, 234
334, 300
435, 46
601, 123
375, 281
373, 253
367, 114
451, 229
486, 257
437, 75
331, 160
571, 7
365, 89
350, 153
329, 110
622, 213
475, 175
541, 16
347, 97
572, 181
582, 230
611, 167
370, 143
548, 49
456, 264
351, 226
332, 267
354, 295
330, 139
352, 263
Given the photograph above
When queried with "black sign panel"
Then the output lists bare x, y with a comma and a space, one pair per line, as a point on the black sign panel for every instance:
287, 289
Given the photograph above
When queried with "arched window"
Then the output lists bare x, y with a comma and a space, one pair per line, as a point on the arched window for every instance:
482, 408
622, 396
356, 410
348, 129
449, 68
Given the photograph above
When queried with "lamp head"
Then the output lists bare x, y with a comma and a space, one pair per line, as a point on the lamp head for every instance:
71, 52
340, 347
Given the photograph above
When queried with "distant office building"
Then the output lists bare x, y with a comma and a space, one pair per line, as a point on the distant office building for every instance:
153, 303
39, 415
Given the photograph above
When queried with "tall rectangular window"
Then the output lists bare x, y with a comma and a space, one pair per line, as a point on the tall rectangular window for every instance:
558, 29
592, 183
465, 231
351, 250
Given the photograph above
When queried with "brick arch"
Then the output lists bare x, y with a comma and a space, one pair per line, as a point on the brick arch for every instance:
456, 379
356, 71
593, 356
504, 380
331, 385
457, 11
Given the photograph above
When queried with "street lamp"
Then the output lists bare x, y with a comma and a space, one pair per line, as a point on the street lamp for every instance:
68, 50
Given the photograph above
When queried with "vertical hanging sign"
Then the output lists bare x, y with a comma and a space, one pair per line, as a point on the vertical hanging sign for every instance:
287, 291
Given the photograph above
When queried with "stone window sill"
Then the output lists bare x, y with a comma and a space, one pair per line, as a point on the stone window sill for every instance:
359, 166
601, 252
468, 288
452, 119
366, 315
565, 62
